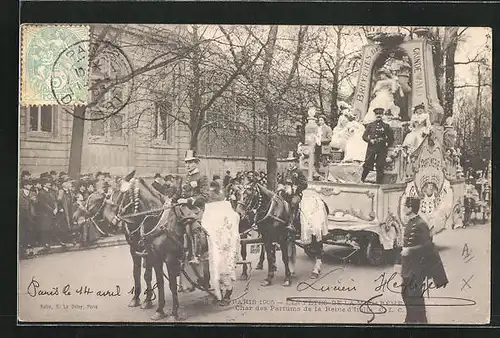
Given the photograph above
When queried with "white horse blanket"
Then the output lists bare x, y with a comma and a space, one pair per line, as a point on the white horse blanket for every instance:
221, 224
313, 217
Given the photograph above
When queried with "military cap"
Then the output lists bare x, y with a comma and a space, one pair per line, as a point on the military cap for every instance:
378, 111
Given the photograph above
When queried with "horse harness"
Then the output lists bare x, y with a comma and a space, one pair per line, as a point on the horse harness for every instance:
258, 205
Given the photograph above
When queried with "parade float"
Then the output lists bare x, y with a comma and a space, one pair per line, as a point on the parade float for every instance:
422, 161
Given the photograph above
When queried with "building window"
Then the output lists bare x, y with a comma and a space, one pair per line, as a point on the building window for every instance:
116, 126
41, 119
164, 122
108, 127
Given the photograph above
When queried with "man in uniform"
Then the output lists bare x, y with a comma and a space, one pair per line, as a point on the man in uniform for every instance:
419, 260
293, 184
191, 204
379, 137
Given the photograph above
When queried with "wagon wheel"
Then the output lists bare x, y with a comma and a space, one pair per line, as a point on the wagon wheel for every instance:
374, 252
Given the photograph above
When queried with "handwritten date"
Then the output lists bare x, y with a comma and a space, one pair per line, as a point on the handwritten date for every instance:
35, 289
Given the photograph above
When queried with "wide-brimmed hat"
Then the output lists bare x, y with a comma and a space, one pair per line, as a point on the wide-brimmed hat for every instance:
190, 156
44, 180
419, 106
291, 157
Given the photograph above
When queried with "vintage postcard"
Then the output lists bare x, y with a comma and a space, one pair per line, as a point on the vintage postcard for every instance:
254, 174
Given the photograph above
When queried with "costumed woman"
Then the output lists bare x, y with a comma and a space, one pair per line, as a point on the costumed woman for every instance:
383, 95
419, 126
355, 147
340, 133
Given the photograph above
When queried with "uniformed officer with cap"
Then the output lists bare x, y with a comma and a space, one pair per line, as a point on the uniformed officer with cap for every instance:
379, 137
419, 261
191, 204
293, 184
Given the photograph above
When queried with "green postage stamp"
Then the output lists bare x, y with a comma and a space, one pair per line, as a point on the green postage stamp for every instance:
54, 64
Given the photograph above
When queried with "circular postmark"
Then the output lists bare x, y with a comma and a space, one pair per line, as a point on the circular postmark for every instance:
107, 78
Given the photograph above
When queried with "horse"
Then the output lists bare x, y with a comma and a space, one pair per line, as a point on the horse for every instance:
272, 213
245, 227
153, 234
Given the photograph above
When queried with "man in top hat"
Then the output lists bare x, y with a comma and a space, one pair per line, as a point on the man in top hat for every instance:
293, 184
323, 137
27, 199
379, 137
419, 260
46, 211
191, 204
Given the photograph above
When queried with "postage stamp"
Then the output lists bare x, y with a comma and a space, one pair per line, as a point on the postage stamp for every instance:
54, 64
255, 174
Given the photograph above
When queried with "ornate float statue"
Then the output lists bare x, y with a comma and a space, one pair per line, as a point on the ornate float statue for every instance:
383, 95
419, 126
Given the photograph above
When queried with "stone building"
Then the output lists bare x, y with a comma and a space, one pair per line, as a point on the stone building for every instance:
145, 135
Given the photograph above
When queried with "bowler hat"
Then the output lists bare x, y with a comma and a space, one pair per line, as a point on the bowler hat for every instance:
53, 172
157, 175
190, 156
25, 173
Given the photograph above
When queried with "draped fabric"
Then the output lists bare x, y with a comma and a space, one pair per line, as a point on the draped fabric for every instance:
313, 217
221, 224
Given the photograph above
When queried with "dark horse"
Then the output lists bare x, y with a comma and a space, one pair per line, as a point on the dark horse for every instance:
152, 230
271, 217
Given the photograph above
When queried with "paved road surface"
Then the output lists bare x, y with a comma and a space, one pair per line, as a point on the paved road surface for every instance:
465, 253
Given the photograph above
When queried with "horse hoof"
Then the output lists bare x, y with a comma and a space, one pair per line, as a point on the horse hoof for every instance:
266, 282
134, 302
175, 318
147, 305
243, 276
259, 267
287, 283
314, 275
158, 315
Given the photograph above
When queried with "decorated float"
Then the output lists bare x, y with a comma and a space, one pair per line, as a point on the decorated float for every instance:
423, 161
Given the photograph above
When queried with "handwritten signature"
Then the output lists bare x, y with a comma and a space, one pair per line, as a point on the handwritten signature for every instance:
391, 284
35, 289
305, 285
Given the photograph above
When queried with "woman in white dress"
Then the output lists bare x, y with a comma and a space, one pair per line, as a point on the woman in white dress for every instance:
340, 133
383, 93
355, 148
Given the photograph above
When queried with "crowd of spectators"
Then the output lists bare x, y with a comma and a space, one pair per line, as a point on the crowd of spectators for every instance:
53, 210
